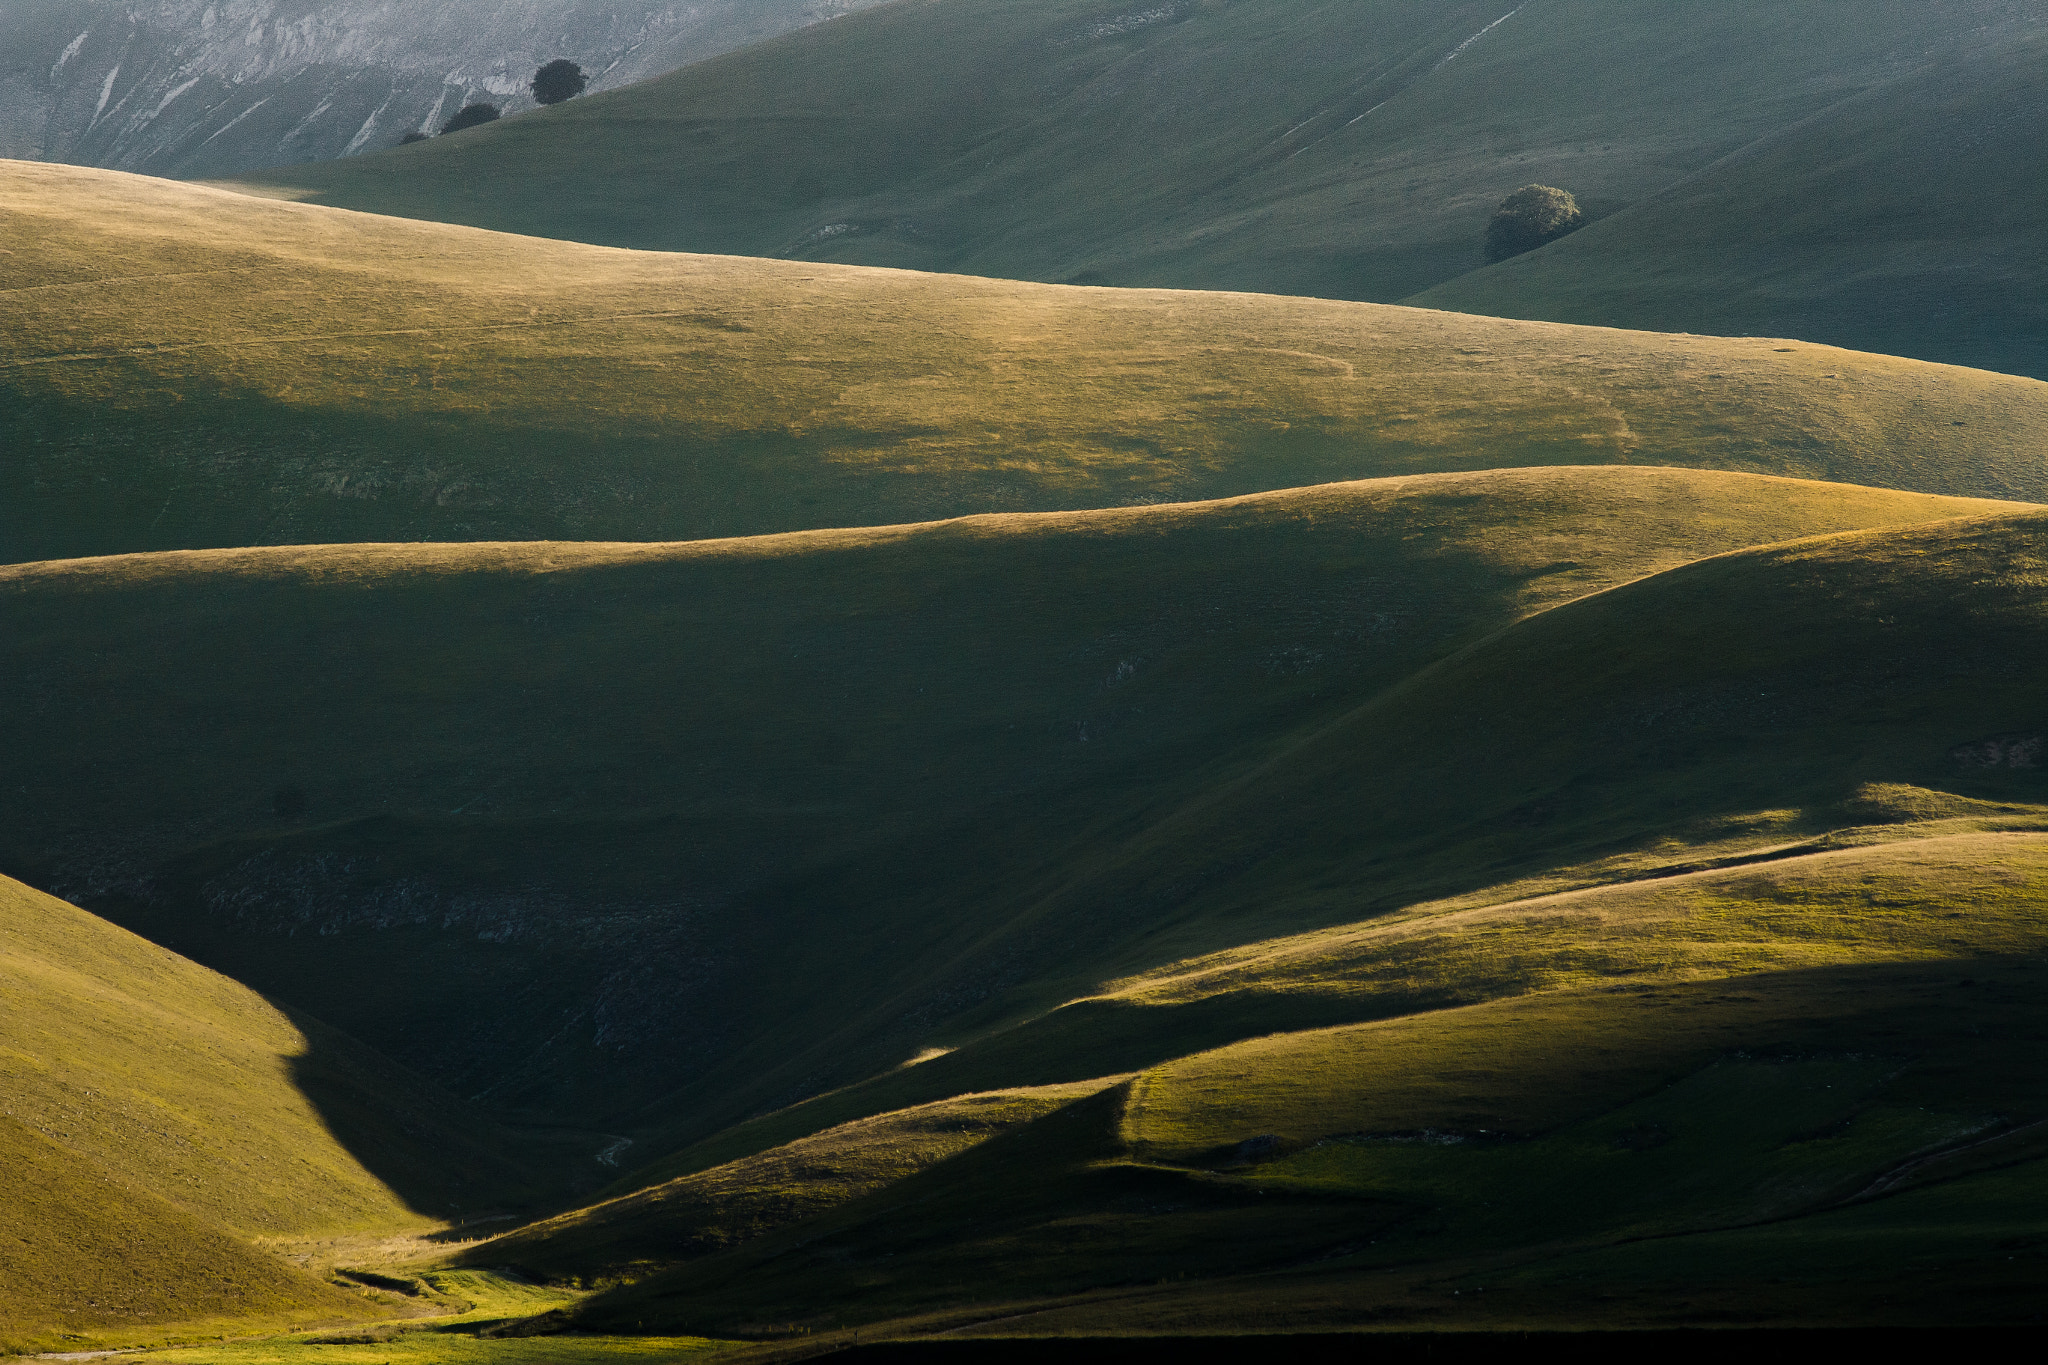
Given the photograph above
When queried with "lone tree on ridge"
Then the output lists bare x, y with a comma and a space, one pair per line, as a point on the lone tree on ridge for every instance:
470, 116
559, 80
1531, 216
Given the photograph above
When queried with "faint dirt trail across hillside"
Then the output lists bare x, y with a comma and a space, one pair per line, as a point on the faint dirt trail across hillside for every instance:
1381, 92
1459, 50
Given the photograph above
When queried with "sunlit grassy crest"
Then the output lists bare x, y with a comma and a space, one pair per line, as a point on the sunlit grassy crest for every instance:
188, 368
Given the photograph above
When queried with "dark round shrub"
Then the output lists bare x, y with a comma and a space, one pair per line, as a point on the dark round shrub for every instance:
470, 116
412, 137
1531, 216
288, 802
559, 80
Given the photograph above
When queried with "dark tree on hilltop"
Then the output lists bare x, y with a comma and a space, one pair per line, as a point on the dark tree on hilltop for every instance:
470, 116
559, 80
1531, 216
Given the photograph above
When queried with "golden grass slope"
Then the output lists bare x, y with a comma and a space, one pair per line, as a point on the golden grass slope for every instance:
1542, 1051
186, 367
157, 1117
91, 1258
175, 1079
189, 1085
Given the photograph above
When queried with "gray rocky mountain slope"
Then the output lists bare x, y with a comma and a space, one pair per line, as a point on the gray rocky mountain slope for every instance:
196, 88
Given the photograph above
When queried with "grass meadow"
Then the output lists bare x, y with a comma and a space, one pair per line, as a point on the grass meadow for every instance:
567, 801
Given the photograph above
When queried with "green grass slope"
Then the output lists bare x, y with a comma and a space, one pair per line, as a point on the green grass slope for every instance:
1739, 707
1907, 220
1514, 1032
90, 1259
1547, 967
1779, 1077
179, 1081
185, 368
571, 826
1292, 146
158, 1117
474, 1306
1742, 702
709, 1211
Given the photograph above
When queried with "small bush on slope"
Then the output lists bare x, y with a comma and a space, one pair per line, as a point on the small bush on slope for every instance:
1530, 217
1907, 220
471, 116
558, 80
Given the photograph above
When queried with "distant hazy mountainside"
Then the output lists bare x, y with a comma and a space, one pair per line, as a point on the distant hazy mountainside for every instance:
209, 87
1911, 220
181, 367
1348, 150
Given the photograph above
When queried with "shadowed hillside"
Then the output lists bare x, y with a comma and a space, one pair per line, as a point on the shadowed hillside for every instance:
1295, 146
186, 368
1795, 1147
1535, 1038
1908, 220
1851, 1016
1814, 1147
1742, 703
580, 889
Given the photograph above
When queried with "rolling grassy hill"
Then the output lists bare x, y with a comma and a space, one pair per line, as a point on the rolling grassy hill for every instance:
1204, 887
160, 1119
1592, 844
1304, 147
752, 817
1664, 953
1850, 1014
1745, 1126
1905, 220
708, 1211
183, 368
